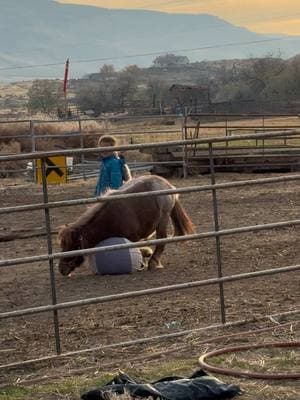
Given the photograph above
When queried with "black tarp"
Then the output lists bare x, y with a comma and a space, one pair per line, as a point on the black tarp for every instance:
199, 386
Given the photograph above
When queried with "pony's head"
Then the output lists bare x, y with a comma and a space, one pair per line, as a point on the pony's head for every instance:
69, 239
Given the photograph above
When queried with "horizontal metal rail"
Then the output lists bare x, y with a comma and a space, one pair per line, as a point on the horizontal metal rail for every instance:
188, 189
292, 151
87, 134
139, 133
42, 154
100, 119
26, 136
263, 166
6, 171
187, 285
243, 115
121, 344
147, 292
233, 128
134, 117
144, 340
19, 121
158, 116
244, 127
142, 132
195, 236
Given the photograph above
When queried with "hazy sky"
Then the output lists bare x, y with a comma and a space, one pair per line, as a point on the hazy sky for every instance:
263, 16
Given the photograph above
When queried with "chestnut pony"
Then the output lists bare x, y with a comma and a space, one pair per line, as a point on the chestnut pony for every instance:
133, 218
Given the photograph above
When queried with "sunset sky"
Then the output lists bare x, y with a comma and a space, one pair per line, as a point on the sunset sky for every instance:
262, 16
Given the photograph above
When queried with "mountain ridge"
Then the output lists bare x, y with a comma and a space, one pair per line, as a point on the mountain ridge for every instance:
36, 32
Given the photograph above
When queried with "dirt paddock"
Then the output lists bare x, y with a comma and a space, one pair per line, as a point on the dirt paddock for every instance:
28, 285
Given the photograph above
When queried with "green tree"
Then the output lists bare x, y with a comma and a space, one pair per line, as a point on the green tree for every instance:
45, 96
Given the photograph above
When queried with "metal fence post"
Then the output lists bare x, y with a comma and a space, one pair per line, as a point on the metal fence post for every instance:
185, 148
51, 263
106, 125
217, 238
263, 126
33, 149
217, 233
81, 146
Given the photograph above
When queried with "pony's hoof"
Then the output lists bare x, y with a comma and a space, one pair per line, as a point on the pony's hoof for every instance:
146, 252
153, 265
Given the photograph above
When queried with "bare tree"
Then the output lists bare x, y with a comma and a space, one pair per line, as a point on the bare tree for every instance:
127, 83
45, 96
262, 72
157, 91
108, 72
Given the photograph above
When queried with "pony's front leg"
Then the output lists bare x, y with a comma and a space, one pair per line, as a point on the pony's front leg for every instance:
161, 232
154, 262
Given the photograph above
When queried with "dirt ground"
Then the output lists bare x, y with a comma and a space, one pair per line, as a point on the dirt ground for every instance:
28, 285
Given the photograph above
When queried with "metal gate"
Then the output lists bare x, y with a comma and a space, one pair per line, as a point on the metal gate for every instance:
217, 233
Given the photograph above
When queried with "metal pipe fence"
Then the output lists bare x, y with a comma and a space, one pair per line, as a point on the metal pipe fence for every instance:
182, 190
153, 242
216, 139
147, 292
153, 338
217, 233
91, 134
137, 131
34, 136
199, 115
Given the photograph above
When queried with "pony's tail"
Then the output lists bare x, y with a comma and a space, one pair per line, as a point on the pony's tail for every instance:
181, 221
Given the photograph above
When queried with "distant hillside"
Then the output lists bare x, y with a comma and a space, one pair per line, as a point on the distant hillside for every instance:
46, 32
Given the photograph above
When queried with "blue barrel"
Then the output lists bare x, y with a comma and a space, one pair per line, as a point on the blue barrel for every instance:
116, 262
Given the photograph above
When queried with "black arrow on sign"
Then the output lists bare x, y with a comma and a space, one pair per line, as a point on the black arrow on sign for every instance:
51, 167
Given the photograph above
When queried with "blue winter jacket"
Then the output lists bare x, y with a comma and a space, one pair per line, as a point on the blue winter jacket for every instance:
110, 174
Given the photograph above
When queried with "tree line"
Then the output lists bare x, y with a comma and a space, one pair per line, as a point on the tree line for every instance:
265, 80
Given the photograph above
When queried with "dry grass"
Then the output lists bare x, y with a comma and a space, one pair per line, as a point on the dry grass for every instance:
12, 147
72, 387
263, 361
18, 89
266, 361
150, 362
10, 131
13, 99
241, 126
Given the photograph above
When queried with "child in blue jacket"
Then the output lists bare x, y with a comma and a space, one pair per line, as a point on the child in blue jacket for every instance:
113, 171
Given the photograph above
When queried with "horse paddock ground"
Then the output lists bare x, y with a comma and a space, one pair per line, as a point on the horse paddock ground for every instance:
28, 285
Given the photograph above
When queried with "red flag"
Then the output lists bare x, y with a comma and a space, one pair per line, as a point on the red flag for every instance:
66, 76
